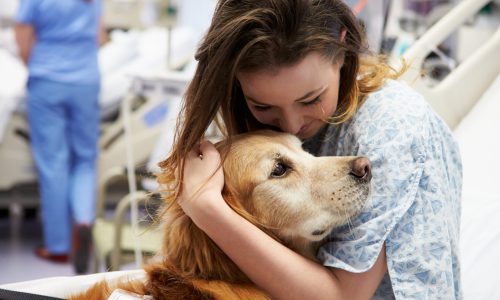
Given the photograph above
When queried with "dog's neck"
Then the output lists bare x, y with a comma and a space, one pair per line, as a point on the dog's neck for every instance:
192, 253
302, 246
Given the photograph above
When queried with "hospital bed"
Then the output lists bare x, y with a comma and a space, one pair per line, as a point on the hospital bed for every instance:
474, 115
115, 238
123, 61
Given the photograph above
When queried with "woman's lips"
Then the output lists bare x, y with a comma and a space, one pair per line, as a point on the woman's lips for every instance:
303, 130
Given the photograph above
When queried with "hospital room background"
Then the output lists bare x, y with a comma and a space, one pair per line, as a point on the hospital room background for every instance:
453, 47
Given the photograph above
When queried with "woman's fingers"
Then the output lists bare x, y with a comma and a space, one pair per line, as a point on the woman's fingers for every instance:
208, 151
203, 179
200, 165
204, 148
194, 153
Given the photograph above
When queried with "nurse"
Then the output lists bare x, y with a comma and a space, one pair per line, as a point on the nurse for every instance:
58, 41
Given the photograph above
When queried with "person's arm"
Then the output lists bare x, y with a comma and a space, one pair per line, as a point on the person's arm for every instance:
25, 38
102, 34
283, 273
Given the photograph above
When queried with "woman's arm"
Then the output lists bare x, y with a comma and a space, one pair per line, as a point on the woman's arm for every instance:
280, 271
25, 38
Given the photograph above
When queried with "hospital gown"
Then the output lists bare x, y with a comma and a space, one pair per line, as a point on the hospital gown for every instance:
415, 201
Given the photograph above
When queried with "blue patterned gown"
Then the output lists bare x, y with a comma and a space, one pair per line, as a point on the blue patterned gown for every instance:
415, 203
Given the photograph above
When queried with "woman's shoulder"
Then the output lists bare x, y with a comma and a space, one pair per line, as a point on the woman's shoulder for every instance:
395, 100
395, 106
393, 118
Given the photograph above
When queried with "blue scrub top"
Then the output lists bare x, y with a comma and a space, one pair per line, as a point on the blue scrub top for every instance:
66, 44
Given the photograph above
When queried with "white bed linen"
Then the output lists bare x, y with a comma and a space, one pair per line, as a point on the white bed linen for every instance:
65, 286
13, 76
478, 135
139, 54
126, 55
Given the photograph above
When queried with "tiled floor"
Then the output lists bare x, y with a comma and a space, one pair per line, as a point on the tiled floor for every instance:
18, 238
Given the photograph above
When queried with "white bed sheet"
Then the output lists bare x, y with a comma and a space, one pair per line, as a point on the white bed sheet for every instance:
478, 135
65, 286
127, 54
13, 76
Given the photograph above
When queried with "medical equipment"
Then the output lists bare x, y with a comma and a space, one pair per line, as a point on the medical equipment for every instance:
469, 80
114, 237
127, 14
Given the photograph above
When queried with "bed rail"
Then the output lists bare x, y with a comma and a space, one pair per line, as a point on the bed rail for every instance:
454, 96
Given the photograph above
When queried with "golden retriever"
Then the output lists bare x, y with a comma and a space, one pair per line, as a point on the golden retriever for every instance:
269, 179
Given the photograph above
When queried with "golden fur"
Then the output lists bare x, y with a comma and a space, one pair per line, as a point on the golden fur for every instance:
291, 195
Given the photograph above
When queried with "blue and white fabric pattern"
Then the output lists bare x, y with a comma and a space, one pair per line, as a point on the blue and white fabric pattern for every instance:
415, 202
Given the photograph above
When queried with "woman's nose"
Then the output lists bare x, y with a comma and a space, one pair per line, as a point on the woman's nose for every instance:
291, 124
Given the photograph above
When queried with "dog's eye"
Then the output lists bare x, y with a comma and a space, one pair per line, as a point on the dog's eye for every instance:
279, 170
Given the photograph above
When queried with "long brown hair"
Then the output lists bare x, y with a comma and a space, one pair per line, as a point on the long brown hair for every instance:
248, 35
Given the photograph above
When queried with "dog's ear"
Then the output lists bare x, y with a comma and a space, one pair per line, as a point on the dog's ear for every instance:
223, 147
238, 206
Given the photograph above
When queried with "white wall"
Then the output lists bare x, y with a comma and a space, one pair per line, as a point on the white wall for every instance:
196, 14
8, 9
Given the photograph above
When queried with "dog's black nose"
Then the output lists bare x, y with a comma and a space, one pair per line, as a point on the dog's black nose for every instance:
361, 168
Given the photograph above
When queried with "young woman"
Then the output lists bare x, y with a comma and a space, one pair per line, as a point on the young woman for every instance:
300, 66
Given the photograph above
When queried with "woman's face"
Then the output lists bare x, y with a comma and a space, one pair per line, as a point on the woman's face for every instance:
297, 98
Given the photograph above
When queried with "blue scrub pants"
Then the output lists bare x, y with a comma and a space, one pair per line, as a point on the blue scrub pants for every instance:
64, 130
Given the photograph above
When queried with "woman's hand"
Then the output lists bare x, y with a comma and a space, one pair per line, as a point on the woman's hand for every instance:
203, 182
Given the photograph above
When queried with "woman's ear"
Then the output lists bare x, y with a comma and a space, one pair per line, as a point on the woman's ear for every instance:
343, 32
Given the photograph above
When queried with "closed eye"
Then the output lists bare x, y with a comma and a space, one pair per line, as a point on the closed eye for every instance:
307, 103
311, 102
262, 107
280, 169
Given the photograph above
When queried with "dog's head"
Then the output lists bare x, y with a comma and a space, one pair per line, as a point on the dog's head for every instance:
289, 191
271, 181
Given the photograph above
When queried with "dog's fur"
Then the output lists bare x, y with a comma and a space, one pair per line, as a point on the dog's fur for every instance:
291, 195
